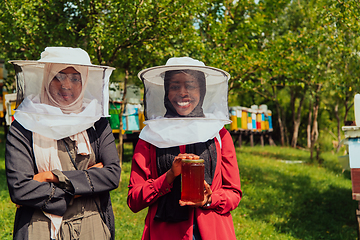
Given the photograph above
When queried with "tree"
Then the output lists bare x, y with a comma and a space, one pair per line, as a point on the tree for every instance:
298, 56
126, 35
345, 81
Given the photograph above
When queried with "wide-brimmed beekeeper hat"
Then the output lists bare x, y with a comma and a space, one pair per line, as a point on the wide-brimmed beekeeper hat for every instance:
61, 55
156, 74
166, 132
34, 114
30, 73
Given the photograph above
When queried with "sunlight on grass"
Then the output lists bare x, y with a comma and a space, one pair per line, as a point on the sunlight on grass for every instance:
283, 198
302, 201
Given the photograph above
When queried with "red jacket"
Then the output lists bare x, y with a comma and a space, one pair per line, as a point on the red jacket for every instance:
214, 222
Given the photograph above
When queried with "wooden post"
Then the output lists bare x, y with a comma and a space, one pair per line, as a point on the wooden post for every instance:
262, 139
271, 141
240, 139
251, 139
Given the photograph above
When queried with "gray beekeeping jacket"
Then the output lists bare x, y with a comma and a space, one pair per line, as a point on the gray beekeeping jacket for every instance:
48, 197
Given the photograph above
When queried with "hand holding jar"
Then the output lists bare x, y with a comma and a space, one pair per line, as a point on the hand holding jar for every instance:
175, 169
194, 189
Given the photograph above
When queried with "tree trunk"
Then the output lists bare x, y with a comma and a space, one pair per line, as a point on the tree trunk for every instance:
315, 130
336, 110
123, 104
286, 133
297, 121
292, 107
295, 133
347, 108
308, 129
281, 127
279, 117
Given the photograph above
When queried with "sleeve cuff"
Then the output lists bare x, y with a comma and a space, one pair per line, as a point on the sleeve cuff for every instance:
161, 185
215, 201
64, 182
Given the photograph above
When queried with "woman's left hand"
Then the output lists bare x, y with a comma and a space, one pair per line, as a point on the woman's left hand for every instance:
97, 165
207, 198
48, 176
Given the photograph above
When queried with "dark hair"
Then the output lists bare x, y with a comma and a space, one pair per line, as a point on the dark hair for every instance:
200, 77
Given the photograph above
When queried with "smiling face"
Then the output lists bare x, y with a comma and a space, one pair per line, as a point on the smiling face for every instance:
66, 86
184, 93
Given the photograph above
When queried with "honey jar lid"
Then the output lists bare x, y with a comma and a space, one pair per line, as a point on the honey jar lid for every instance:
193, 160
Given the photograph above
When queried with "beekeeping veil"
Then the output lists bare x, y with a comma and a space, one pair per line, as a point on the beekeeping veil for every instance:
39, 113
166, 127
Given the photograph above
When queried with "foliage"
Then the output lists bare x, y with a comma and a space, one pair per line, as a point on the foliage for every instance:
294, 45
123, 34
290, 55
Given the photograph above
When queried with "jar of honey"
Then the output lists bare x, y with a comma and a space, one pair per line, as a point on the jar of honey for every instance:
192, 180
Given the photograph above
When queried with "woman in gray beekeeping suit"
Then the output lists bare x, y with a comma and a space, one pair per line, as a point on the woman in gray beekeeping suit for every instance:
61, 158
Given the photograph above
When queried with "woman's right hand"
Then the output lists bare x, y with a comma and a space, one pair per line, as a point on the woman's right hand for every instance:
175, 169
47, 176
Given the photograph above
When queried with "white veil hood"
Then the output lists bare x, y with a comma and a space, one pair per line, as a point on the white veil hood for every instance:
166, 132
50, 121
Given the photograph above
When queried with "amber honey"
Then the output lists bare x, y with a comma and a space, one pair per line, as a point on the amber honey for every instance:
192, 180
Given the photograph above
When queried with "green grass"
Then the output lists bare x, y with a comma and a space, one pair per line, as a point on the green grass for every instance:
284, 200
281, 200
